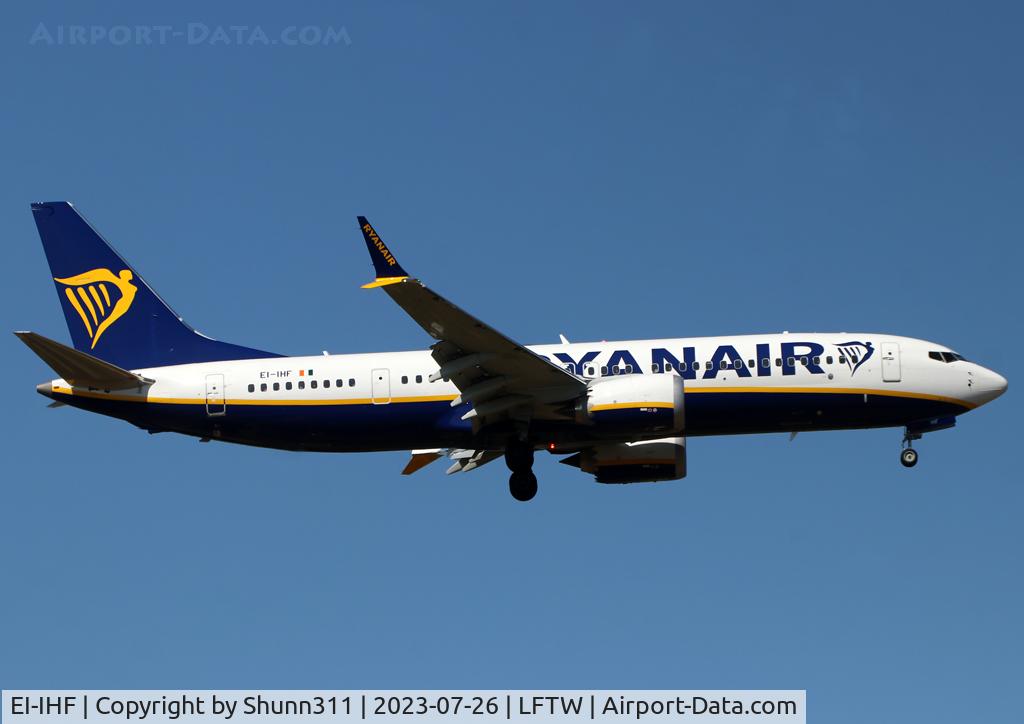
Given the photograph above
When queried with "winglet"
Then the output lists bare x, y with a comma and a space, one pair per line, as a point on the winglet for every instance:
387, 268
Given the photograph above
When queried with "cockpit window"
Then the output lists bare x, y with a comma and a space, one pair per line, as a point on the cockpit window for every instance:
946, 357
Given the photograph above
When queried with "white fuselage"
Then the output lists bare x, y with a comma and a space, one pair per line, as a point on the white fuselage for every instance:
811, 368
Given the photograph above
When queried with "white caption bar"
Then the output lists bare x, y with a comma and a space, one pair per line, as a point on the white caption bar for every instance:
429, 707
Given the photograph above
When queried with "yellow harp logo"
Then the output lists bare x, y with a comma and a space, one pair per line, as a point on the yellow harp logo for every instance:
90, 294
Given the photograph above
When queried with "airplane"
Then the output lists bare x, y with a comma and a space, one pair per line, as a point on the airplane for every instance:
620, 411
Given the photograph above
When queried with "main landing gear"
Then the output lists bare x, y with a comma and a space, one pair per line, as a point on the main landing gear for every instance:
908, 456
522, 483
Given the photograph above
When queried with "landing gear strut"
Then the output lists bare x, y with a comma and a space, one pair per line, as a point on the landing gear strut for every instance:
522, 483
908, 457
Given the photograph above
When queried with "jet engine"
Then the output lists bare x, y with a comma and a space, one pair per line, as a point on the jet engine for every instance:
634, 405
649, 461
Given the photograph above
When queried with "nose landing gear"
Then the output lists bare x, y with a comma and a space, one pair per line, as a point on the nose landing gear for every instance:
908, 456
519, 459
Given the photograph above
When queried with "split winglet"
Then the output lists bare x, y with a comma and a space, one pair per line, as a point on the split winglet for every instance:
386, 267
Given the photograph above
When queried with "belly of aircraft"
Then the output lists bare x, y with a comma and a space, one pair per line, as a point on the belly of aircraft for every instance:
405, 426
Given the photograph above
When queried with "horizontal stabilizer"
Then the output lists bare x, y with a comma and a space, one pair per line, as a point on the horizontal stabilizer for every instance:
78, 368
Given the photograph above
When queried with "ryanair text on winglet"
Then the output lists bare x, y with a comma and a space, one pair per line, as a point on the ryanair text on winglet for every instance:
380, 245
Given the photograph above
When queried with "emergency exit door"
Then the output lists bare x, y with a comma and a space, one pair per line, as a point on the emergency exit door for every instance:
215, 402
890, 362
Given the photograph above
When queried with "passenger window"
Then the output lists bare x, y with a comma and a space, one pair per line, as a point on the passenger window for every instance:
604, 370
287, 385
252, 388
405, 379
790, 361
803, 361
351, 382
277, 386
629, 369
750, 363
590, 371
339, 383
302, 385
708, 365
828, 360
738, 364
263, 387
765, 362
696, 365
419, 379
816, 360
842, 360
327, 383
853, 358
312, 384
655, 369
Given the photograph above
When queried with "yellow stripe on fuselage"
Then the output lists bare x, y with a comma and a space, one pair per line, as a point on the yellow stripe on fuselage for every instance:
201, 400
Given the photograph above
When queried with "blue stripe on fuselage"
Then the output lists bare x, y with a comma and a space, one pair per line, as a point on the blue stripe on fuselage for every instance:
410, 425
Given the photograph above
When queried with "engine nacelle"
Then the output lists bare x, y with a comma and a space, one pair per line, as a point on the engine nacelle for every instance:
635, 404
648, 461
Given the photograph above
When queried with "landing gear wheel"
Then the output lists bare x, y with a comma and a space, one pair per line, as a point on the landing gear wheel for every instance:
908, 457
523, 486
519, 457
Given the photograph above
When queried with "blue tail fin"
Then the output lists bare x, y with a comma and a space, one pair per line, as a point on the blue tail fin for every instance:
110, 310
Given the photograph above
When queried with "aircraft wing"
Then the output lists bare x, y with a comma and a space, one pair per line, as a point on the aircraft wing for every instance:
500, 377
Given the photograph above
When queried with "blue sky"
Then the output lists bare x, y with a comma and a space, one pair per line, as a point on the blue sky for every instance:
666, 169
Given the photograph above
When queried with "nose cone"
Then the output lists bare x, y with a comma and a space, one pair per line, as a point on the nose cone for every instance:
987, 385
45, 389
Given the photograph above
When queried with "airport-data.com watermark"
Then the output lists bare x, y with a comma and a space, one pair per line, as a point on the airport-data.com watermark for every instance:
195, 34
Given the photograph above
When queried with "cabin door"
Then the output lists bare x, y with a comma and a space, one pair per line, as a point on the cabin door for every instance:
890, 362
380, 382
215, 402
